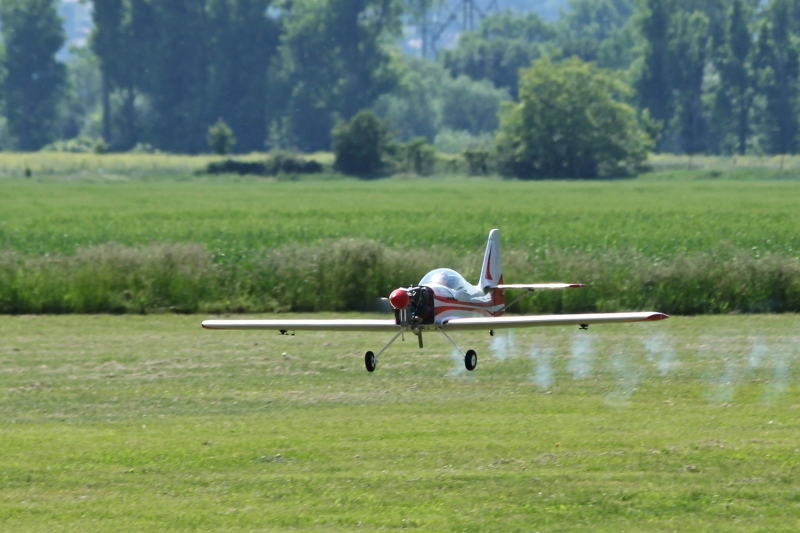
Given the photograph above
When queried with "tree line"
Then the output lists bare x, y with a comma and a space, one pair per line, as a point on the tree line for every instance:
717, 76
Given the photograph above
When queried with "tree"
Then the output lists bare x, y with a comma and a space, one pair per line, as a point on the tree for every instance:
427, 99
335, 62
687, 58
413, 107
735, 66
123, 39
670, 86
570, 123
185, 63
778, 64
499, 48
33, 80
243, 41
472, 106
178, 76
590, 25
220, 138
655, 85
108, 46
361, 144
83, 95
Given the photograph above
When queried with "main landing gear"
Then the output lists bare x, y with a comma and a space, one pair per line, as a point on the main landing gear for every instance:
371, 359
470, 360
470, 357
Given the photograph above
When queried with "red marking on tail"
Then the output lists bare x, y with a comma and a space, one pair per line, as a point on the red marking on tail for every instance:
499, 297
657, 316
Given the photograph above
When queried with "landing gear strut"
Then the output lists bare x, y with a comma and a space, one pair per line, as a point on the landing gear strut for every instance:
371, 359
470, 358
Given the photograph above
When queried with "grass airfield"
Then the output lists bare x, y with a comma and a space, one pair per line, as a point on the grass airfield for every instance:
138, 423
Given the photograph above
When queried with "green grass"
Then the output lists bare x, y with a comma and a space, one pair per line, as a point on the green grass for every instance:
249, 244
135, 423
235, 216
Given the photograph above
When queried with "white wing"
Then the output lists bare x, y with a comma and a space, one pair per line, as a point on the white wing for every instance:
540, 286
530, 321
305, 325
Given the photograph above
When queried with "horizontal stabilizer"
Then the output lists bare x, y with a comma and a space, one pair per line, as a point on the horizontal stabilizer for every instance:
305, 325
541, 286
530, 321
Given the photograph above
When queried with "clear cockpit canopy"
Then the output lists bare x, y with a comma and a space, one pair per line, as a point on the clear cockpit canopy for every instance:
450, 279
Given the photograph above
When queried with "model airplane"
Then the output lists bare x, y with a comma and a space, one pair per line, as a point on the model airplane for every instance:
444, 301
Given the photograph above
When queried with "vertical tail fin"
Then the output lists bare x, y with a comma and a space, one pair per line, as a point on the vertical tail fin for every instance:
492, 271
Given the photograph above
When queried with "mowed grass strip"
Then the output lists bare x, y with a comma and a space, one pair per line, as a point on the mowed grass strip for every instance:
140, 423
235, 217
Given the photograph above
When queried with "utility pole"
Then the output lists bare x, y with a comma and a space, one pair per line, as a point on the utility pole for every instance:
464, 13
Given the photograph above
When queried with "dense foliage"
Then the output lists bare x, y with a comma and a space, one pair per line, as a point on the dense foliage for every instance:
708, 77
361, 145
31, 77
569, 124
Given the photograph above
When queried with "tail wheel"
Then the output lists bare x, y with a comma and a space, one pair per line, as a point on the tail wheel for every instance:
370, 361
471, 360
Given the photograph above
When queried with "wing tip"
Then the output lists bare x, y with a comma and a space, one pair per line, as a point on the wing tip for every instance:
577, 285
657, 316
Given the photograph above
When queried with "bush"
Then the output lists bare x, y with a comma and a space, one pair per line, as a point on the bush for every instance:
417, 156
276, 163
230, 166
477, 161
281, 162
570, 123
349, 274
107, 279
361, 145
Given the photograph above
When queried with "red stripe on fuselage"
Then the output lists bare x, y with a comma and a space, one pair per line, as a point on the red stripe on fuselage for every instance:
459, 302
447, 309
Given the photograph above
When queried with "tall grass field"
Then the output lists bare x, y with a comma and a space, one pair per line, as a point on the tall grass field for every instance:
149, 423
127, 241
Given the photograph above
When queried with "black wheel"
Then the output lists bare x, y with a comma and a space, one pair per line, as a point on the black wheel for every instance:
370, 361
471, 360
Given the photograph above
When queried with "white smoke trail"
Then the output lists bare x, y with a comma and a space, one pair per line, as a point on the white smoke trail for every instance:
626, 376
458, 364
502, 345
724, 386
757, 354
781, 362
582, 360
720, 351
543, 377
661, 353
